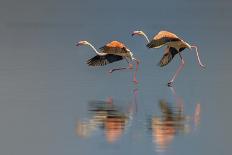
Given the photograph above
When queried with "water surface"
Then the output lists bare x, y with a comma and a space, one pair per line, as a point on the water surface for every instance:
51, 102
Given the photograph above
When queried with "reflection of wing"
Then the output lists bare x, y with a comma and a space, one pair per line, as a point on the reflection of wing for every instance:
174, 114
162, 38
103, 60
98, 105
169, 54
165, 108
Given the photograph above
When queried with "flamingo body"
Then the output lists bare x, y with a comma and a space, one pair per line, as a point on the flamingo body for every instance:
115, 44
117, 48
169, 39
174, 44
165, 34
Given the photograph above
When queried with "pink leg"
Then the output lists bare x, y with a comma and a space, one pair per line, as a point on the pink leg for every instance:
130, 66
177, 71
137, 66
198, 57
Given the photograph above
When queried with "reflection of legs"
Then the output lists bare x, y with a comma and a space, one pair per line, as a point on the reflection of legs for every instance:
133, 105
179, 100
109, 100
197, 114
130, 66
135, 92
177, 71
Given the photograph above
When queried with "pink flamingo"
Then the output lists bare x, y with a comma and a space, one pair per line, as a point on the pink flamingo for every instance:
112, 52
174, 44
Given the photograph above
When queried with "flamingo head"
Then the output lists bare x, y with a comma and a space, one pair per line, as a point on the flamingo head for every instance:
82, 43
138, 33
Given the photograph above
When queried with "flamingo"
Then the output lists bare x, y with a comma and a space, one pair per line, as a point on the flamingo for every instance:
112, 52
109, 116
174, 44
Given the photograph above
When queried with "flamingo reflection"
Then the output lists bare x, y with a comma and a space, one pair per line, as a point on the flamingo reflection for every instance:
109, 117
171, 122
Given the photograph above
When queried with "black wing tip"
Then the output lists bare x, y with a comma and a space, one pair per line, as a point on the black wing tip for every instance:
94, 62
89, 63
160, 64
103, 60
165, 60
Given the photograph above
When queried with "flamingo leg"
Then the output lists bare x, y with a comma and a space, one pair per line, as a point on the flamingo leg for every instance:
177, 71
117, 69
130, 66
136, 70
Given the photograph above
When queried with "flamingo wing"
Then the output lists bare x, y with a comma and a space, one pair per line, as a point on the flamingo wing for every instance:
103, 60
162, 38
116, 48
169, 54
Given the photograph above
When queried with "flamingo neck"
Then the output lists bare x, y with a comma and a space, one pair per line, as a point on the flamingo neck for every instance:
98, 53
146, 37
198, 57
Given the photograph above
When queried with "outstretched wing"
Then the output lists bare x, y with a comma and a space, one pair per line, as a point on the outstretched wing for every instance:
169, 54
162, 38
103, 60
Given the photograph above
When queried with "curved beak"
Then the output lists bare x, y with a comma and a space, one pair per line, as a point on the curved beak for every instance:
78, 44
134, 33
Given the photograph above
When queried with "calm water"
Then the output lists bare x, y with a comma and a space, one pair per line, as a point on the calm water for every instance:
51, 102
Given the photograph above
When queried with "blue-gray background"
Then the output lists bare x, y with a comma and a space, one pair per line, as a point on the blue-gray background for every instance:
45, 84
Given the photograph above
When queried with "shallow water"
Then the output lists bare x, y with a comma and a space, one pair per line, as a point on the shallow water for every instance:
51, 102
